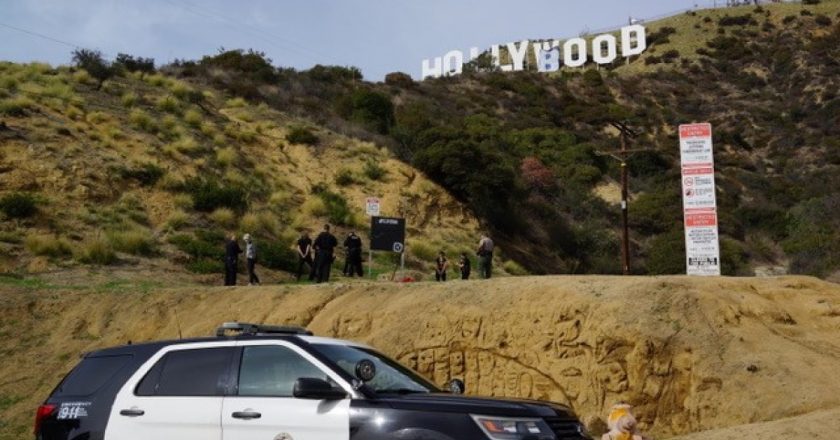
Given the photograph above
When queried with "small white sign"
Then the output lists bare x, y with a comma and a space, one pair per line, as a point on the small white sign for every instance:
372, 206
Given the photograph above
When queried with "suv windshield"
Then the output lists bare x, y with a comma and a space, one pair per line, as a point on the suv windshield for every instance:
391, 377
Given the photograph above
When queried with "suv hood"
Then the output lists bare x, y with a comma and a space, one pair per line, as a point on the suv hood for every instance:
452, 403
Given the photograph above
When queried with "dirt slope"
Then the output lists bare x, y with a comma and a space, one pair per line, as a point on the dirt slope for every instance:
691, 354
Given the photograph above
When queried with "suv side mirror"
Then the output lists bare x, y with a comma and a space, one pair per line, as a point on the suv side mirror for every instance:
317, 389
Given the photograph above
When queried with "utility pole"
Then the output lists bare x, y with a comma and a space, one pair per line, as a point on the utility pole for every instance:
625, 133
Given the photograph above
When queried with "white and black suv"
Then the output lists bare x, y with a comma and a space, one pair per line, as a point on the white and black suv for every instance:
259, 382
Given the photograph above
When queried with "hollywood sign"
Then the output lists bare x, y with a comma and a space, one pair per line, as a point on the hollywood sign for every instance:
548, 55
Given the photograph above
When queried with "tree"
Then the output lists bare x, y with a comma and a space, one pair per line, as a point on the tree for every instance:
138, 64
94, 63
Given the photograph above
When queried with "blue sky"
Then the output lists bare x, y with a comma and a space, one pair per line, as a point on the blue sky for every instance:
378, 36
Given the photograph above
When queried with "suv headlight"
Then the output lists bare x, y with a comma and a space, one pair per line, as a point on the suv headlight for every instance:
513, 428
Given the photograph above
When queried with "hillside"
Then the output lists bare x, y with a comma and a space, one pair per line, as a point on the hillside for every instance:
691, 354
120, 169
151, 172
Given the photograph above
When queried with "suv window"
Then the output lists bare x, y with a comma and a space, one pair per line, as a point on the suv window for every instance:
90, 375
198, 372
271, 370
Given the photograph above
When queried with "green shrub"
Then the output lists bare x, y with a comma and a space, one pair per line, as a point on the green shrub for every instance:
345, 177
338, 212
666, 254
94, 63
98, 251
133, 241
208, 195
17, 106
205, 266
302, 136
277, 255
202, 245
47, 245
423, 251
372, 109
236, 103
169, 104
223, 217
822, 20
193, 118
140, 119
514, 268
374, 171
146, 174
18, 205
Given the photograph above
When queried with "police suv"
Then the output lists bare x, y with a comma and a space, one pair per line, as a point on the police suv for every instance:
260, 382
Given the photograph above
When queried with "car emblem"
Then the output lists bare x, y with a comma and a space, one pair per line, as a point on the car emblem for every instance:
283, 436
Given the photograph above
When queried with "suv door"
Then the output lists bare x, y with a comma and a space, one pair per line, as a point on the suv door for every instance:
263, 406
176, 395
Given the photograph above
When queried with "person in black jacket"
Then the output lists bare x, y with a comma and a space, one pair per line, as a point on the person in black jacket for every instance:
465, 265
304, 250
353, 246
324, 245
232, 251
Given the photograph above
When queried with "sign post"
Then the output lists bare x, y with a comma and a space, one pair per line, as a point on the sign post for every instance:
372, 207
388, 234
702, 247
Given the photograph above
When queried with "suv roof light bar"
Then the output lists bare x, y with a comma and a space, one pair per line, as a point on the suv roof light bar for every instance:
245, 328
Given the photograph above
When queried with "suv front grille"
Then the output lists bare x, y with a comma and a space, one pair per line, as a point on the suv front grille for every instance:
565, 429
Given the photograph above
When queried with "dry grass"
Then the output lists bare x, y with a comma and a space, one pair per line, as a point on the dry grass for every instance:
137, 241
226, 156
49, 245
223, 217
96, 250
177, 219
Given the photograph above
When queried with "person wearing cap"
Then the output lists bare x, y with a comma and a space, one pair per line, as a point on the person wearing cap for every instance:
251, 258
232, 251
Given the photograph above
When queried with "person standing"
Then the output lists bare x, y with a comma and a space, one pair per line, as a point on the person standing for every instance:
324, 245
304, 250
485, 257
464, 265
251, 260
353, 246
441, 265
232, 251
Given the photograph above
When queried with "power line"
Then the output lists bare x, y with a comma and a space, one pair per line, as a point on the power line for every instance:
39, 35
269, 38
260, 30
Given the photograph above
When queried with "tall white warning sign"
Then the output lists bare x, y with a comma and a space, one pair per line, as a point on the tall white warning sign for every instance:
702, 249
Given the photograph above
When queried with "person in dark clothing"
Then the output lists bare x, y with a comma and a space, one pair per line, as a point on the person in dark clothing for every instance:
251, 260
464, 264
441, 265
232, 251
304, 250
485, 257
324, 245
353, 247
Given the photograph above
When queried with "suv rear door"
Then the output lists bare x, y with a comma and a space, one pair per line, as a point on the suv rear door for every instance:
176, 395
262, 405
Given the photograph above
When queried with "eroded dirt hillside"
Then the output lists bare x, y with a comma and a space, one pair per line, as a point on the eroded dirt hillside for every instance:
690, 354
